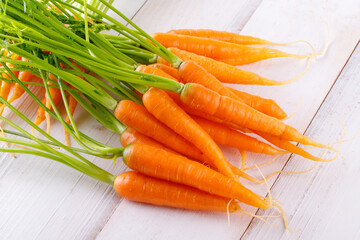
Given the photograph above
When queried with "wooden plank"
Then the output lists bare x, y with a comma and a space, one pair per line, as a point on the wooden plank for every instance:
280, 21
321, 203
40, 199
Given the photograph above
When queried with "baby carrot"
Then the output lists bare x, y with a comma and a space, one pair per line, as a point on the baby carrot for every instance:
55, 95
137, 117
167, 68
167, 111
230, 53
191, 72
6, 86
267, 106
158, 163
225, 36
226, 136
137, 187
229, 110
131, 136
224, 72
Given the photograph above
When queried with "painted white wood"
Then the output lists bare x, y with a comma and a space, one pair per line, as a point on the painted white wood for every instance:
281, 21
323, 203
40, 199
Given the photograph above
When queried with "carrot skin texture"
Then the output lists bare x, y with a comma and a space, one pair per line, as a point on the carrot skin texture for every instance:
140, 188
226, 136
230, 53
157, 163
138, 117
167, 111
222, 36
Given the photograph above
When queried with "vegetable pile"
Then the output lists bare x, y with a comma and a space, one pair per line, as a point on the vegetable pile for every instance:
164, 94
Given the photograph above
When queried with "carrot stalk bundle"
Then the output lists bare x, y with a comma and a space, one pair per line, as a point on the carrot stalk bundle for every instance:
229, 53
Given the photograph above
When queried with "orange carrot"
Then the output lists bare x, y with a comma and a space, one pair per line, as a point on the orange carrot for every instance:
191, 72
267, 106
137, 187
224, 72
56, 97
225, 36
167, 111
168, 69
154, 71
229, 110
131, 136
283, 144
137, 117
158, 163
18, 91
230, 53
6, 86
226, 136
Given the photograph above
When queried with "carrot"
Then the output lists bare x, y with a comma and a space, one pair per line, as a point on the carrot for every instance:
167, 68
283, 144
224, 72
157, 163
239, 114
137, 117
154, 71
267, 106
230, 53
6, 86
226, 136
191, 72
137, 187
131, 136
18, 91
227, 37
167, 111
55, 95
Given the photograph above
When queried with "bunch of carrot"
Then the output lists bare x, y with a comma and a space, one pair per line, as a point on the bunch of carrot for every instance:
175, 111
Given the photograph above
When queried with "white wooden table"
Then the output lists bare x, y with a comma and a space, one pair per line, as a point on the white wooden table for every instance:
40, 199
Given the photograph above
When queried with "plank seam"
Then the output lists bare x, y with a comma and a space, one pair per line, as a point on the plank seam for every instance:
291, 156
